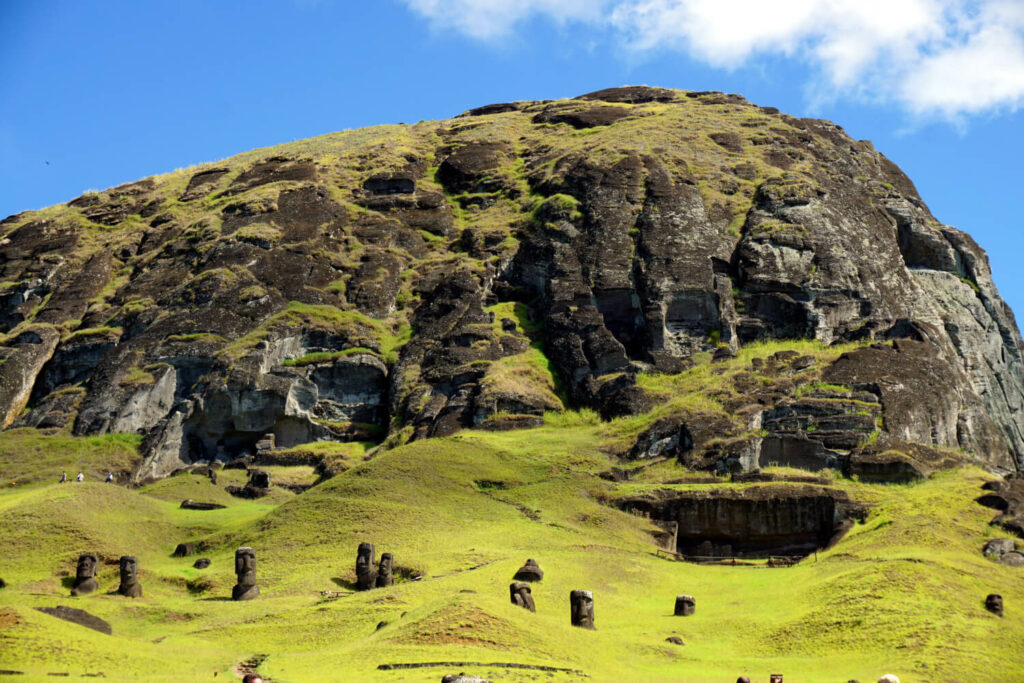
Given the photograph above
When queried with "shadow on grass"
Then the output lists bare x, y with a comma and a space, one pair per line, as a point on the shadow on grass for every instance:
345, 583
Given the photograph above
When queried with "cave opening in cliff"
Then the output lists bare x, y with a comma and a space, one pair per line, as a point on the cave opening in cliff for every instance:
756, 522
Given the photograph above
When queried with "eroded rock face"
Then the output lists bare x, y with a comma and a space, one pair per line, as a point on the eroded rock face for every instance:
357, 295
758, 521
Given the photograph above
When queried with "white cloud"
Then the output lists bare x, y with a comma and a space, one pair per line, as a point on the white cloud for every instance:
935, 57
983, 72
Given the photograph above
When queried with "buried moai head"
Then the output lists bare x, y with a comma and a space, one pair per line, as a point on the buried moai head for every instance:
366, 575
582, 605
259, 479
994, 603
130, 586
530, 571
521, 595
245, 570
385, 575
685, 605
85, 575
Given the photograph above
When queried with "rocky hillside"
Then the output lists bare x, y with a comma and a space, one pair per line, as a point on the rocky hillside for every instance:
400, 282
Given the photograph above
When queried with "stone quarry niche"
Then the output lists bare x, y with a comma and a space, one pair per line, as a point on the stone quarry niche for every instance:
759, 521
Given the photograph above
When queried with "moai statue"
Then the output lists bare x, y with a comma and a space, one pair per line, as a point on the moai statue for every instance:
582, 605
685, 605
994, 604
384, 574
245, 569
366, 575
521, 595
529, 572
85, 575
130, 586
743, 679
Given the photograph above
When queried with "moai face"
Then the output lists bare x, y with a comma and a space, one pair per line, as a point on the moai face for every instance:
994, 604
366, 575
384, 571
245, 569
582, 606
129, 569
245, 566
85, 575
86, 568
130, 586
522, 596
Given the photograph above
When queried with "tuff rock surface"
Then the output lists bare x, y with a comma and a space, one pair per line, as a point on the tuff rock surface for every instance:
404, 282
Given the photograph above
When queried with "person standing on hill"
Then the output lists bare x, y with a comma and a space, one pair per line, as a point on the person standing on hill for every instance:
63, 477
110, 478
80, 477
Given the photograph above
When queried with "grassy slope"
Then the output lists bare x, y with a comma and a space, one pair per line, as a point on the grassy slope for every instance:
901, 593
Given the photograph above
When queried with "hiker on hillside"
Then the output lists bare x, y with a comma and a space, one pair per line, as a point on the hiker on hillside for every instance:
80, 477
63, 477
110, 478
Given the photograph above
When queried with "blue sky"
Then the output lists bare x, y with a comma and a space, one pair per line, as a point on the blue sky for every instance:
109, 92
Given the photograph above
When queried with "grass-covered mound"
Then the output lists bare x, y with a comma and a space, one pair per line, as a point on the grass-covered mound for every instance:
902, 592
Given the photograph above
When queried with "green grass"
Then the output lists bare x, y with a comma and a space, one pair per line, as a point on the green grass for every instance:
28, 456
900, 593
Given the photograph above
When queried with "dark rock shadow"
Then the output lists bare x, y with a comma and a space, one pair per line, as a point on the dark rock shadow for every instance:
345, 583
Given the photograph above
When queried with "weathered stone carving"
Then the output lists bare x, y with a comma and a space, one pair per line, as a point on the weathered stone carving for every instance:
530, 571
366, 575
259, 479
998, 547
994, 604
85, 575
245, 569
521, 595
77, 616
685, 605
201, 563
185, 549
130, 586
385, 577
190, 504
581, 604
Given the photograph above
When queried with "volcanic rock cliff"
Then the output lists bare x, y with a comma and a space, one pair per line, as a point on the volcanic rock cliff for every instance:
408, 281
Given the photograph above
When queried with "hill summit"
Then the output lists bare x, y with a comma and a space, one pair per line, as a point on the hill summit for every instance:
408, 281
